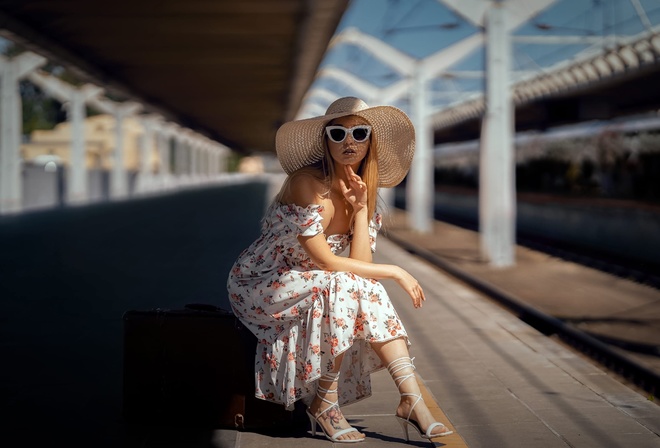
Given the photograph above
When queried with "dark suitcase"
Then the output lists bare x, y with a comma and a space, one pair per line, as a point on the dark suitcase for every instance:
194, 368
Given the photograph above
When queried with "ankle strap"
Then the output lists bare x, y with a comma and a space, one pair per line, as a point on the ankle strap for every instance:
400, 364
330, 377
325, 391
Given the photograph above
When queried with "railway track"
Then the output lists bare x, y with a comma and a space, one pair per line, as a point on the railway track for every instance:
619, 360
637, 271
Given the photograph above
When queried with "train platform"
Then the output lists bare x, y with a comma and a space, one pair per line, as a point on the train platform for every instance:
493, 379
71, 274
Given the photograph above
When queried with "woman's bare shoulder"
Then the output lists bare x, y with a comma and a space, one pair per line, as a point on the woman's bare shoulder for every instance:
304, 189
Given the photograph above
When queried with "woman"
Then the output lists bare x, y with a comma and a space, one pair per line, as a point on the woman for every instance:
323, 321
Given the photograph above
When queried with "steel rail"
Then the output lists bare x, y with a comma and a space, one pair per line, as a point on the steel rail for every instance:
640, 375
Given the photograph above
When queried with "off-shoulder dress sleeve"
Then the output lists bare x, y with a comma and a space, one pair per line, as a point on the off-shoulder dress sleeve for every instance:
374, 226
303, 221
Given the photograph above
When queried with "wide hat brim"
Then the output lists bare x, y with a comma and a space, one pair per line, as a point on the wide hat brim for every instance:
300, 143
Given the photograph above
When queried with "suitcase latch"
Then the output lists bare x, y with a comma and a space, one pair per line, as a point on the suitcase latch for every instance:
239, 421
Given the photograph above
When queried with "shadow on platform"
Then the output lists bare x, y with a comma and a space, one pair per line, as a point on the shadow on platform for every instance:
66, 278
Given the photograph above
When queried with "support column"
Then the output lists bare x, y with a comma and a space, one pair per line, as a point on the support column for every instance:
179, 157
118, 180
223, 159
193, 170
11, 72
74, 99
220, 160
144, 181
213, 160
77, 185
496, 171
163, 148
419, 187
207, 160
203, 164
185, 157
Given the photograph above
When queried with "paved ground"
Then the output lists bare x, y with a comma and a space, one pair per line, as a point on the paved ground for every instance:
497, 382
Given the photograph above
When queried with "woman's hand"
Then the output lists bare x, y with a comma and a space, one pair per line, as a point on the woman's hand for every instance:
355, 190
411, 286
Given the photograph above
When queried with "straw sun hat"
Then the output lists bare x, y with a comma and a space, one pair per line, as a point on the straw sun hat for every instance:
300, 143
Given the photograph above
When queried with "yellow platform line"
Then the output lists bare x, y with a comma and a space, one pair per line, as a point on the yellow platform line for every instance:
452, 440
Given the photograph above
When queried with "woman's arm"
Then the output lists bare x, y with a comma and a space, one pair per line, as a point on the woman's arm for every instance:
318, 250
360, 242
355, 192
306, 190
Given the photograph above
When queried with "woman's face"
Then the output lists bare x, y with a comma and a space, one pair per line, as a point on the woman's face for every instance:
348, 152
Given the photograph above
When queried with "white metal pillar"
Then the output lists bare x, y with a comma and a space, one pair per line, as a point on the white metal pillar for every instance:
214, 160
496, 171
419, 186
179, 156
222, 156
74, 99
118, 188
210, 171
118, 178
201, 160
193, 151
204, 166
77, 188
163, 148
185, 156
11, 72
144, 181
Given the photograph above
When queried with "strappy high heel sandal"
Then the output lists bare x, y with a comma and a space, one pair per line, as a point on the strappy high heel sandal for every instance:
395, 367
313, 420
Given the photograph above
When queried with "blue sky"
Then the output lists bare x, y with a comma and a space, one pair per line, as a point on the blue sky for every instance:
421, 28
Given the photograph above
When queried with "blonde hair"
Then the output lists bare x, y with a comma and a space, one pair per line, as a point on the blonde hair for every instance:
368, 171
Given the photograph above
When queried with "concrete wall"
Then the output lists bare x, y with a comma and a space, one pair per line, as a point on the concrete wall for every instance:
43, 189
68, 275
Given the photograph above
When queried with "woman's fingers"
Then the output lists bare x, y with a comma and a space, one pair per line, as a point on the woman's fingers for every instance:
351, 175
413, 288
353, 188
418, 295
344, 187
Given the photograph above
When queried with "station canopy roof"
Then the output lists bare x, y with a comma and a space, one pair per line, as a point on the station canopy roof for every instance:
571, 60
232, 70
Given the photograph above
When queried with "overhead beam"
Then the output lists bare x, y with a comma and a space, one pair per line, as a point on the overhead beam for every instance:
396, 59
559, 40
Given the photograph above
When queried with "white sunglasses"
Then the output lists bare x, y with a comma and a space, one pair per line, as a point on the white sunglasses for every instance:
337, 134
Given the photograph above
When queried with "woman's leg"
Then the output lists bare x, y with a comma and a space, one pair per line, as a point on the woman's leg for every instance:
329, 415
394, 350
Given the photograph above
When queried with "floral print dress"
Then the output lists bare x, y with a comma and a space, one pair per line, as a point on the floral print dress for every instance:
302, 316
